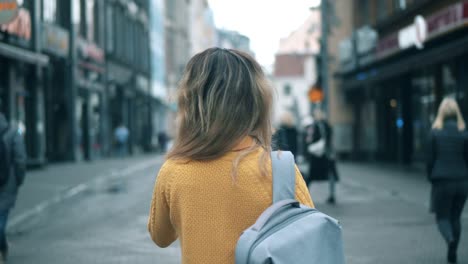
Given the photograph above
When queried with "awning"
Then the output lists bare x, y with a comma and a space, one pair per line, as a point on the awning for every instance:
23, 55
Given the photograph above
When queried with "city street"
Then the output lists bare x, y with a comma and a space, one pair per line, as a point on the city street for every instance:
383, 210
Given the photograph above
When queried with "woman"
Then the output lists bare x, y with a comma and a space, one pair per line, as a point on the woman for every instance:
322, 165
448, 172
286, 136
217, 178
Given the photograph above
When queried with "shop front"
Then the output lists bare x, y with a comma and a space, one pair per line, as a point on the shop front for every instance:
21, 88
55, 43
90, 103
405, 79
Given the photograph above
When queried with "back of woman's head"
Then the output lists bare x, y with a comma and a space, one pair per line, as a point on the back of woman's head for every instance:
448, 109
287, 119
223, 97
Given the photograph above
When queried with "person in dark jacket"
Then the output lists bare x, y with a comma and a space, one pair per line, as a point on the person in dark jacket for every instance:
447, 167
319, 152
286, 136
16, 168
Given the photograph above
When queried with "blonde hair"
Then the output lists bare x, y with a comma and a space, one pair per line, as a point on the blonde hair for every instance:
223, 97
448, 108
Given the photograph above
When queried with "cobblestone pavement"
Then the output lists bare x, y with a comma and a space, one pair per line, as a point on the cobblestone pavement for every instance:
383, 210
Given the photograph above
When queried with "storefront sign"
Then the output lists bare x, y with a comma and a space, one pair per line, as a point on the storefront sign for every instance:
8, 11
413, 35
345, 50
448, 19
366, 40
388, 45
55, 40
424, 29
20, 25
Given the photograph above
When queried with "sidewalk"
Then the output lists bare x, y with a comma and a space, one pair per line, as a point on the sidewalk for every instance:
54, 183
385, 215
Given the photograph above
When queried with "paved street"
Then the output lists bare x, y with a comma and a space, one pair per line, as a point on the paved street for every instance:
383, 210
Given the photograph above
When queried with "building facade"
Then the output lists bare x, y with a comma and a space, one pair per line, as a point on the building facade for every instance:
177, 52
400, 61
295, 69
21, 85
230, 39
76, 69
203, 32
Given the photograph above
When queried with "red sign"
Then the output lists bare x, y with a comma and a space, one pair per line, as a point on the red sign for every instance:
439, 23
388, 45
447, 19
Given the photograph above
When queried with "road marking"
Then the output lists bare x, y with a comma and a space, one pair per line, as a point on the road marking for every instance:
80, 188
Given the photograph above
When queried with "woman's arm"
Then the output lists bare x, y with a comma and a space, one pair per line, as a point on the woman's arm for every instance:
159, 223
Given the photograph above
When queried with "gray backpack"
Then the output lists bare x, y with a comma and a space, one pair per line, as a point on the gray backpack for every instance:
288, 232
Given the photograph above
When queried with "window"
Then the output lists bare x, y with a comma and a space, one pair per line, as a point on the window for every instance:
381, 9
90, 22
365, 12
110, 28
287, 89
399, 4
49, 11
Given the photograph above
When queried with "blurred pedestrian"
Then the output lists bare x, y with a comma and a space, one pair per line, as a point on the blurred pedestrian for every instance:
217, 179
447, 167
286, 136
319, 152
12, 173
121, 135
162, 141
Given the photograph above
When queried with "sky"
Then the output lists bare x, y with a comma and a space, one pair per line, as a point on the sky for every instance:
265, 22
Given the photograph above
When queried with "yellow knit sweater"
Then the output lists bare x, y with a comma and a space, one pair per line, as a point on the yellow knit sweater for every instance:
199, 203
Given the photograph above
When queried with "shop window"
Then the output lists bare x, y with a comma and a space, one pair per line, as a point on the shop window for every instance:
449, 82
399, 4
287, 90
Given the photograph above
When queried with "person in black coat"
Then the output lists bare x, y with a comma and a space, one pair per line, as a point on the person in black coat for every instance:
286, 136
322, 166
12, 176
447, 167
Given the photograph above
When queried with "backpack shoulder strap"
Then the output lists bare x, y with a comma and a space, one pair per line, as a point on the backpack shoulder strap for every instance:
284, 175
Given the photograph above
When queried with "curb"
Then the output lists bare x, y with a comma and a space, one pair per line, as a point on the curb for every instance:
79, 189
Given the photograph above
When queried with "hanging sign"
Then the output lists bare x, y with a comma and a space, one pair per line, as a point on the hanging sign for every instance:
8, 11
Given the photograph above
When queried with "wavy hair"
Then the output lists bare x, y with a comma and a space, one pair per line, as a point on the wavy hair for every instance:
223, 97
448, 108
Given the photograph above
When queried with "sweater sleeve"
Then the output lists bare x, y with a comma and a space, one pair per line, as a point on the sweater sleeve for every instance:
159, 224
302, 192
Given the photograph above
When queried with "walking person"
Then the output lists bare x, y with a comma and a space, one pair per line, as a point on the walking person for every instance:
217, 178
447, 167
286, 136
319, 152
12, 173
121, 135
